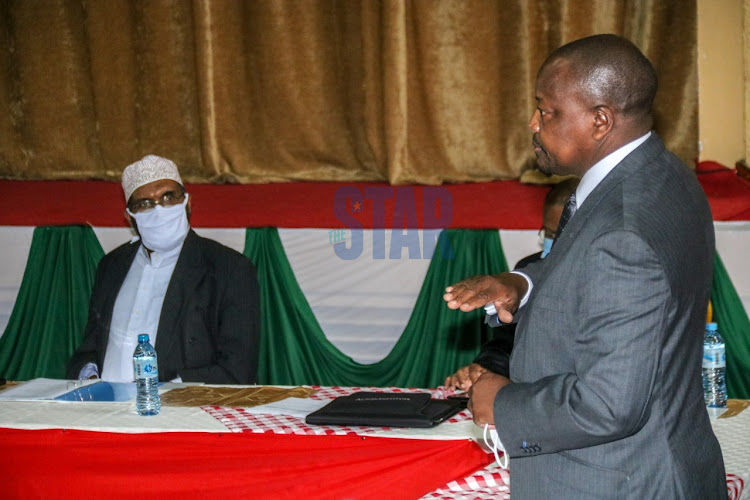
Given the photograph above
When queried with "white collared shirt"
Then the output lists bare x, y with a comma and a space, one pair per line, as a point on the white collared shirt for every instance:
137, 310
596, 174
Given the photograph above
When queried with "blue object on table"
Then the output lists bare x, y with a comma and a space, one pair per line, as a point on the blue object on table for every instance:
101, 391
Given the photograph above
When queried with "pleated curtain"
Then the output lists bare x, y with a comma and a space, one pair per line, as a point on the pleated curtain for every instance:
50, 312
734, 327
403, 91
436, 340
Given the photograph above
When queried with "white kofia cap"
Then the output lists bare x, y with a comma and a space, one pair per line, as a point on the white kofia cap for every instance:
148, 169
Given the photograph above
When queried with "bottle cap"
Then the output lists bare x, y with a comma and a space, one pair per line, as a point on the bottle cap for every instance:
143, 337
712, 327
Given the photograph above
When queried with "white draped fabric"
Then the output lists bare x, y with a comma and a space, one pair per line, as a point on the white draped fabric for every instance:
362, 304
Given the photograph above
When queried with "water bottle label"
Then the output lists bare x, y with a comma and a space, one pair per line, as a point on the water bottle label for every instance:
714, 358
145, 368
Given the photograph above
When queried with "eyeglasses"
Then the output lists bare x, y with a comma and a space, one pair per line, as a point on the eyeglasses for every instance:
166, 200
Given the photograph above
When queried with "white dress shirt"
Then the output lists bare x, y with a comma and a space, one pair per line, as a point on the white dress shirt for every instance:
137, 310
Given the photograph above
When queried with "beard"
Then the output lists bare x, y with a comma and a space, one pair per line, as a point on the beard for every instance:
544, 162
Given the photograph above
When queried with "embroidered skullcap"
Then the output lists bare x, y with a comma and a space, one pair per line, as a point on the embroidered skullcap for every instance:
148, 169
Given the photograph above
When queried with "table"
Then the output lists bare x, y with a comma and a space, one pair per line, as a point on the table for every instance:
59, 450
51, 449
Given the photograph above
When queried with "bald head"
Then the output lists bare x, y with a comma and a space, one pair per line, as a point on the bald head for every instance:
610, 71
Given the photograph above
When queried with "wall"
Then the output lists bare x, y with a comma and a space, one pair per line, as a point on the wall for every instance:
721, 72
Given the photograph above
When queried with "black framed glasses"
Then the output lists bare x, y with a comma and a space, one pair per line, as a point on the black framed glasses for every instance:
167, 199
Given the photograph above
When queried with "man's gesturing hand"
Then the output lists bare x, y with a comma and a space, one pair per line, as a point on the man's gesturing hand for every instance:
504, 290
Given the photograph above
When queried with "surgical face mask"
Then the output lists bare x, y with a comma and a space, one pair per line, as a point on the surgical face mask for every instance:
163, 228
547, 246
492, 441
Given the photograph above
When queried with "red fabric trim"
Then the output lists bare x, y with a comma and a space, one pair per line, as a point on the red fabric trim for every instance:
507, 204
54, 463
728, 194
501, 204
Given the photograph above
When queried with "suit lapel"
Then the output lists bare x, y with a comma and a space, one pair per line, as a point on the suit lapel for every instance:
185, 277
120, 269
639, 158
625, 169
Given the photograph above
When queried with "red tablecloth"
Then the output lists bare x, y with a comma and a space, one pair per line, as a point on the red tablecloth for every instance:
56, 463
260, 456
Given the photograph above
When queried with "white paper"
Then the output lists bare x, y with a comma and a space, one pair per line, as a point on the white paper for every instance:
294, 407
465, 429
42, 388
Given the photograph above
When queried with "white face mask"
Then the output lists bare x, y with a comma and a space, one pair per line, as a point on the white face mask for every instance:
163, 228
492, 440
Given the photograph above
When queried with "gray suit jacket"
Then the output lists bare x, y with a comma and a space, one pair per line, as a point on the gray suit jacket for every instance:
209, 328
607, 400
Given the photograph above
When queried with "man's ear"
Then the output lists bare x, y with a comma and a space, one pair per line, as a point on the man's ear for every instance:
604, 120
130, 220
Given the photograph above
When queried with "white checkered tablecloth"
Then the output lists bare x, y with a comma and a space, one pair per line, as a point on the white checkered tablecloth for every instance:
241, 420
492, 482
733, 434
735, 487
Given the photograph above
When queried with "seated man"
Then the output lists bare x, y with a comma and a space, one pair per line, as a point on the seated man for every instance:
495, 354
196, 299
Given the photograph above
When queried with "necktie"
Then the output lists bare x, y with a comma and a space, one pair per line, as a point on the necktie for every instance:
568, 211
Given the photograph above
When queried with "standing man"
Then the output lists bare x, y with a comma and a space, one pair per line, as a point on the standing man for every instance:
605, 397
197, 299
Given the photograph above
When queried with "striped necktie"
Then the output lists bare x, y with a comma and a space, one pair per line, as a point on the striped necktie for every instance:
568, 211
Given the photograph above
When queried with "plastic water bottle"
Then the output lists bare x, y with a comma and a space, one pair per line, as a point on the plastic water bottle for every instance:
714, 368
146, 370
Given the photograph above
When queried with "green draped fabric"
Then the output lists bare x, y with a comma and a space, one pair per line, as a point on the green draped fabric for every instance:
734, 326
50, 312
436, 340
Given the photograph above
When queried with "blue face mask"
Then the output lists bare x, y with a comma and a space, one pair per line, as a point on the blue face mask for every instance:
547, 246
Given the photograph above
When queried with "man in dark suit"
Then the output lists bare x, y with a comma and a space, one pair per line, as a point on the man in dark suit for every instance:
494, 355
605, 397
197, 299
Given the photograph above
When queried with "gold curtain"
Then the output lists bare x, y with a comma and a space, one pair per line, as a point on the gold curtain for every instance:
420, 91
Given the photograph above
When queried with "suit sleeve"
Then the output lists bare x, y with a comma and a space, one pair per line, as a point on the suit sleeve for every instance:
618, 317
87, 351
495, 354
